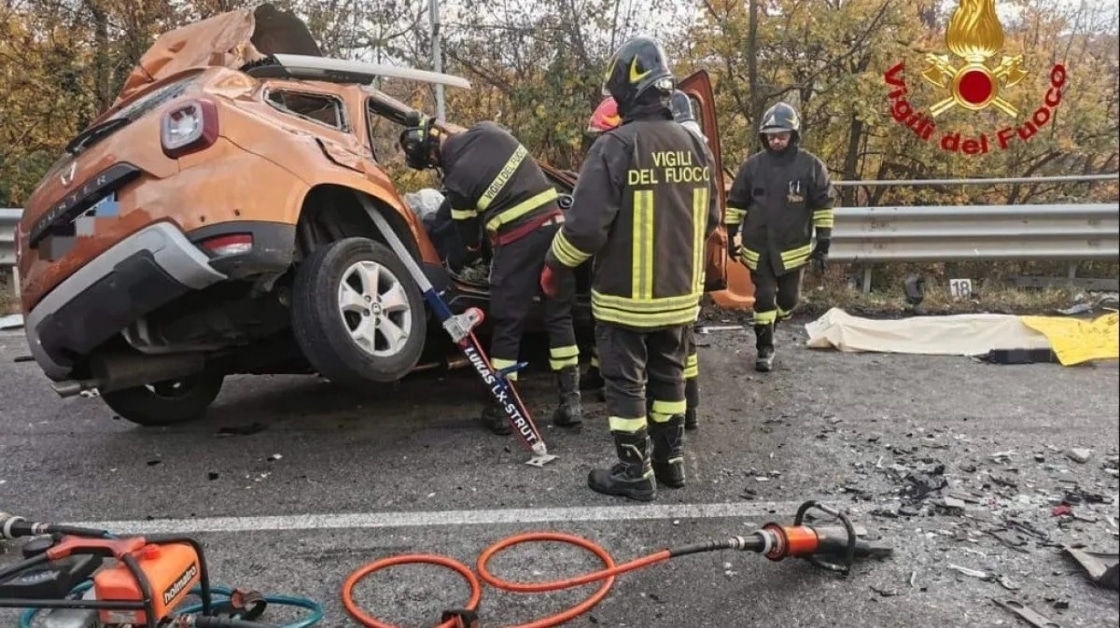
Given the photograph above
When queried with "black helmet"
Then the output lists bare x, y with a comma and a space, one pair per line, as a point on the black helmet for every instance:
780, 118
419, 140
681, 105
637, 65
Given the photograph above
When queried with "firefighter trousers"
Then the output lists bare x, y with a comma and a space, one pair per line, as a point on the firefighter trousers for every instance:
644, 375
775, 295
515, 272
691, 368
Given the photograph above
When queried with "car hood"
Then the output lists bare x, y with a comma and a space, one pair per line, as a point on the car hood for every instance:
231, 40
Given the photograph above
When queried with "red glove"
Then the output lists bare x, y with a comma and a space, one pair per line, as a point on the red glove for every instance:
558, 284
549, 285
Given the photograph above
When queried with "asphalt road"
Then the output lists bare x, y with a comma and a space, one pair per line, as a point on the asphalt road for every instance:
329, 480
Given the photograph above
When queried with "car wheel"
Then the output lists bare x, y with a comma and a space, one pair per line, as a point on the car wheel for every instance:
357, 314
166, 403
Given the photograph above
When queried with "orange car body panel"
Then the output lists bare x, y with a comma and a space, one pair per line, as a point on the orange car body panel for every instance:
263, 162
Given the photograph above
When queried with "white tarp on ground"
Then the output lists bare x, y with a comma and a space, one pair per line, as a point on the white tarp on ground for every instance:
960, 334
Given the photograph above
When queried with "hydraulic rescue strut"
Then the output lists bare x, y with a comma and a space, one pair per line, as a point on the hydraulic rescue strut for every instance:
829, 547
144, 584
461, 329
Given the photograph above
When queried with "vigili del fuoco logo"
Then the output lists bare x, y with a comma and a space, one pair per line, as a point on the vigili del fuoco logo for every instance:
972, 82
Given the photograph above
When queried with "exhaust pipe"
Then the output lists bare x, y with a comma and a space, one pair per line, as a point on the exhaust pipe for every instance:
117, 371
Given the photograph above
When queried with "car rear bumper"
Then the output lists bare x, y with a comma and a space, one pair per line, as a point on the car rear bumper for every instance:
137, 275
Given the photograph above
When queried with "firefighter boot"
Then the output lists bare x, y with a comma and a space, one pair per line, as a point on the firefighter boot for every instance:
692, 398
569, 412
632, 476
593, 381
668, 451
764, 343
494, 419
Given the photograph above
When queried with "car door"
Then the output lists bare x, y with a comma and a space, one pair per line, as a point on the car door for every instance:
698, 86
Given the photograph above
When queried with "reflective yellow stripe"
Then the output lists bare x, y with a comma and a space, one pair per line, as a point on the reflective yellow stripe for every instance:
500, 181
520, 209
691, 366
560, 357
641, 270
649, 305
594, 358
566, 252
783, 314
823, 218
765, 318
463, 214
699, 223
735, 215
634, 315
499, 364
796, 257
668, 407
623, 424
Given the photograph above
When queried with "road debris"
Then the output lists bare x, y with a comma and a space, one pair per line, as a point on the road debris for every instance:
1028, 615
1079, 454
921, 484
241, 430
1102, 569
972, 573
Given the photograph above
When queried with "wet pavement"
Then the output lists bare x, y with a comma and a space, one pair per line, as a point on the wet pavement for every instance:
972, 472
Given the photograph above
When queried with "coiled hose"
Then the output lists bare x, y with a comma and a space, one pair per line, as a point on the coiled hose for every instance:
607, 575
316, 615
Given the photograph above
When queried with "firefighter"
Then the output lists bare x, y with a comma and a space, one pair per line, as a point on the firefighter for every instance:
495, 186
643, 207
779, 197
603, 119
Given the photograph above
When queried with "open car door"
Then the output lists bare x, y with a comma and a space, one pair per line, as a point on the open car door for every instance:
698, 86
729, 284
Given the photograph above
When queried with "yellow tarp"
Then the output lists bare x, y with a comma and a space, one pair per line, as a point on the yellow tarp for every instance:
1075, 341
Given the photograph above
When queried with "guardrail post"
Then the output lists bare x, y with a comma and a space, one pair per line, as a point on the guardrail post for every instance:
15, 281
867, 279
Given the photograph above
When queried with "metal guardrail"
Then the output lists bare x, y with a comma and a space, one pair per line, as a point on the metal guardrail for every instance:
8, 220
1075, 232
1080, 232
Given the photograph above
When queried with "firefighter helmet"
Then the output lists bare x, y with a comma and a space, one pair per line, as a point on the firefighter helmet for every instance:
681, 105
420, 142
605, 117
781, 118
638, 65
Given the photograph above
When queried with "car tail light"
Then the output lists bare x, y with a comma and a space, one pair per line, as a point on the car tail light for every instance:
188, 127
232, 244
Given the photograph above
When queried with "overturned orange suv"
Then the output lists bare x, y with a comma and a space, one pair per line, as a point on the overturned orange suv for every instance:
226, 216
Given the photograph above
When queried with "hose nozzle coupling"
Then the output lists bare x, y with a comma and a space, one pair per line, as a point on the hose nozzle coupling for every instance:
13, 527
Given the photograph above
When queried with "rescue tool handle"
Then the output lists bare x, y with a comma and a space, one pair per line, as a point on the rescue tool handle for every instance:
849, 550
115, 548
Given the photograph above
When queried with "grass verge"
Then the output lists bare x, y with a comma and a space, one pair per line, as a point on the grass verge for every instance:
993, 294
8, 304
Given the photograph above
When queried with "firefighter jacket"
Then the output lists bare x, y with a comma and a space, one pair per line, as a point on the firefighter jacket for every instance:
492, 183
644, 205
775, 202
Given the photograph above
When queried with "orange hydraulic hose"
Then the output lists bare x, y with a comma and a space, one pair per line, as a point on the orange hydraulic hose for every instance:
607, 574
405, 559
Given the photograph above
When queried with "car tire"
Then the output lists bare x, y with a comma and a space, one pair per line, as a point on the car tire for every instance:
166, 403
357, 314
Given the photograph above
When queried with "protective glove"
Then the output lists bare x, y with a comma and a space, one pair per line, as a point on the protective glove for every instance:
819, 256
733, 252
557, 281
462, 257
